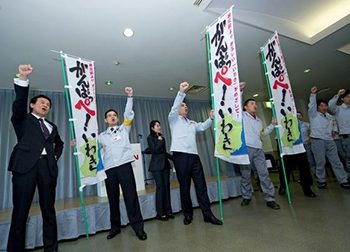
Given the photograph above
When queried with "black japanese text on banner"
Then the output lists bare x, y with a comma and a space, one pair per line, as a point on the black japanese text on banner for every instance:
282, 96
81, 85
229, 136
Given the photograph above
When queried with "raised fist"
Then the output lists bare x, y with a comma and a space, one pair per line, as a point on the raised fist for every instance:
313, 90
129, 91
24, 71
184, 86
242, 85
211, 114
274, 121
341, 91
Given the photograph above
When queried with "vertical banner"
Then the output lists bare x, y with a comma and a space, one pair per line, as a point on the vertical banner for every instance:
229, 136
281, 93
80, 76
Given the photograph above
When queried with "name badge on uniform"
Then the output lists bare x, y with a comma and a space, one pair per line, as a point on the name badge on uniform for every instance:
116, 138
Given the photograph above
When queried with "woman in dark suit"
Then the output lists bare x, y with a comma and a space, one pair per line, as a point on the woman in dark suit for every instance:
160, 168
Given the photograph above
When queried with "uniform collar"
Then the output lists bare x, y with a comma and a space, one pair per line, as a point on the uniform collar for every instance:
251, 116
113, 129
323, 115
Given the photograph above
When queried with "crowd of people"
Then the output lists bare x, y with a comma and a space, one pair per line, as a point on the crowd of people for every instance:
33, 161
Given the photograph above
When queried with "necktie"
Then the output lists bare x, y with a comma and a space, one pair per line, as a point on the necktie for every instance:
44, 129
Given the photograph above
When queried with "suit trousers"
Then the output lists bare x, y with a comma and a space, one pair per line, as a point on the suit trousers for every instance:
123, 175
23, 192
189, 166
301, 162
163, 203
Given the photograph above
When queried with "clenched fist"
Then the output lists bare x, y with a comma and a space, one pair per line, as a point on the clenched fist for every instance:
24, 71
184, 86
211, 114
129, 91
313, 90
242, 85
341, 91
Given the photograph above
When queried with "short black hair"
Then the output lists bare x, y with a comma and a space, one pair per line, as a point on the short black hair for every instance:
151, 125
35, 98
246, 102
298, 112
345, 93
109, 110
321, 101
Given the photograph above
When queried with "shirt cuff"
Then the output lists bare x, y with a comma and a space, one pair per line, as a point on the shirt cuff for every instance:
21, 83
181, 93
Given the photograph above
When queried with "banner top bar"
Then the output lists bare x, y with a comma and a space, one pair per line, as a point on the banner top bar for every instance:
70, 55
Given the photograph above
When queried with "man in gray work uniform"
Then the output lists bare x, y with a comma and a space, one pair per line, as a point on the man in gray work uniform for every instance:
253, 132
342, 116
322, 143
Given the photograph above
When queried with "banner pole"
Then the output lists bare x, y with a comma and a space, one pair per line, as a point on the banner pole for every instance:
214, 122
276, 128
72, 135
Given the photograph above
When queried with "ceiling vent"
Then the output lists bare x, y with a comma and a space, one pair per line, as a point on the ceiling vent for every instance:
196, 89
197, 2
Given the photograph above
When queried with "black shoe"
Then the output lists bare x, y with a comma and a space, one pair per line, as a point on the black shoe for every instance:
322, 185
162, 218
310, 194
112, 234
188, 220
141, 235
282, 191
170, 216
345, 185
245, 202
213, 220
273, 205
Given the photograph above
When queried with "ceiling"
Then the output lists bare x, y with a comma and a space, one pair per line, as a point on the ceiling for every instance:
168, 46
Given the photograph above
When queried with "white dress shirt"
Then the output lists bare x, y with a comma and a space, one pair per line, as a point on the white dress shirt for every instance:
24, 83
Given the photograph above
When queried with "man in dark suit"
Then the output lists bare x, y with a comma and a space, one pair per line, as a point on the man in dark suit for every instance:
33, 163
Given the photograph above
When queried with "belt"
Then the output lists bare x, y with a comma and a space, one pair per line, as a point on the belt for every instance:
43, 157
345, 136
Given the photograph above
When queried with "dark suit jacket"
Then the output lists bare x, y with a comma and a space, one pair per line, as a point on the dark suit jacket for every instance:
30, 139
159, 159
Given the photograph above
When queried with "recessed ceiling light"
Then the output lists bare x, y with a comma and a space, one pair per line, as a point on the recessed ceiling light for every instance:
109, 82
255, 95
117, 63
307, 70
171, 89
128, 32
